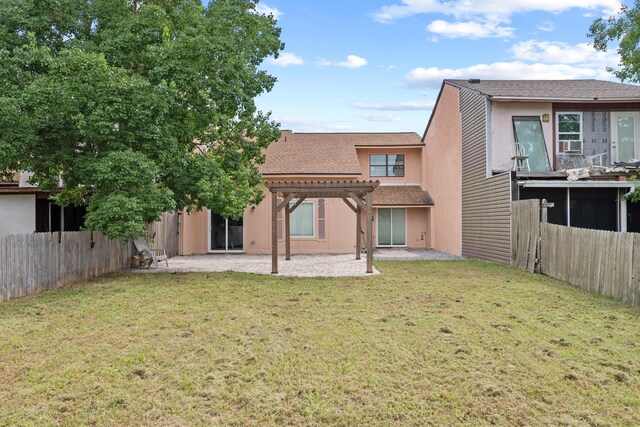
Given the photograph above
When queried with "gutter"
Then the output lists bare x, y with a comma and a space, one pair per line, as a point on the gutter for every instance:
555, 99
575, 184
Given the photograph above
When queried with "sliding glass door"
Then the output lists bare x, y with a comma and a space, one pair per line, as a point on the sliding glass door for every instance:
225, 235
391, 227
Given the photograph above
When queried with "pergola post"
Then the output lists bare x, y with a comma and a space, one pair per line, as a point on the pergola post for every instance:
358, 228
287, 231
369, 203
274, 232
359, 191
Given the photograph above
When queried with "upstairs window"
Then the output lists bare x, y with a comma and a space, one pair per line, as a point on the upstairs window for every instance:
391, 165
569, 132
530, 144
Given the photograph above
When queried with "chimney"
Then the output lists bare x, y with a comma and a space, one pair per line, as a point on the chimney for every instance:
474, 81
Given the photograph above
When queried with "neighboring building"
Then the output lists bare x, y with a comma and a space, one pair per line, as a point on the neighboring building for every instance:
489, 142
25, 209
401, 203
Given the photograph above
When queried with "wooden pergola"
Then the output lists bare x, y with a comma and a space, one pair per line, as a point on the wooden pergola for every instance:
360, 192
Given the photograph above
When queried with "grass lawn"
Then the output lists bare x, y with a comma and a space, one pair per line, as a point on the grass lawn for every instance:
440, 343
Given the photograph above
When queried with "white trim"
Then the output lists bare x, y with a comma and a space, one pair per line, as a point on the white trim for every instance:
551, 99
558, 133
226, 237
575, 184
636, 125
313, 221
378, 245
399, 184
488, 139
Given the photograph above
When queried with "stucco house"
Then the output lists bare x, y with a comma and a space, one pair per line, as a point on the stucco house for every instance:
401, 204
489, 142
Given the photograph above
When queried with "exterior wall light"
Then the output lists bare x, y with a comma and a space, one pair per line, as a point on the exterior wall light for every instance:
545, 118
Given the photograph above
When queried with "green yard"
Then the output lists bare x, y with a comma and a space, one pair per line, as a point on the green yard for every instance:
439, 343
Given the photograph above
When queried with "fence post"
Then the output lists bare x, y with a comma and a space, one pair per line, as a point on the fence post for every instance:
544, 205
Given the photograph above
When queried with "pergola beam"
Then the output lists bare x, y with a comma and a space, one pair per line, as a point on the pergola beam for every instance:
348, 203
358, 191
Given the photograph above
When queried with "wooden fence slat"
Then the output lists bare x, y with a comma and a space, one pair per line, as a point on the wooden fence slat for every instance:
598, 261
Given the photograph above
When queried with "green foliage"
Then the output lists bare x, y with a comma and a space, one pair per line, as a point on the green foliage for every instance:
634, 196
139, 106
624, 30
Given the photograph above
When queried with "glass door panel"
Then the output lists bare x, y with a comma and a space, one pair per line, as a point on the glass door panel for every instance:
235, 235
384, 227
391, 227
624, 136
218, 230
397, 227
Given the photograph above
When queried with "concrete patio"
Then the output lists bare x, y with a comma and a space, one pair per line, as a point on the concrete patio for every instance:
320, 265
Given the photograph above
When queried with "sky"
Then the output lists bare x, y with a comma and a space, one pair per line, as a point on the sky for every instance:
377, 65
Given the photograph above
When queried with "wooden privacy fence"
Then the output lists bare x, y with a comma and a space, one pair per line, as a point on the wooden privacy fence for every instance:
525, 234
600, 261
32, 263
164, 233
606, 262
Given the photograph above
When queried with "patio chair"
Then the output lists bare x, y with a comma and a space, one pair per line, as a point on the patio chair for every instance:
154, 255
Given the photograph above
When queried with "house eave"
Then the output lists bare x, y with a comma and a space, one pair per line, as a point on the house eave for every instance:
555, 99
575, 184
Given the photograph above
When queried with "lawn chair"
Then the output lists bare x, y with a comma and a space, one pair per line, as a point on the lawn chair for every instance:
154, 255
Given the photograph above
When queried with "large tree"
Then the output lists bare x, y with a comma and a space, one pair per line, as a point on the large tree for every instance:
623, 31
138, 106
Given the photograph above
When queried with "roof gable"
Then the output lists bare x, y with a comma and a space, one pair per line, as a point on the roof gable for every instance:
558, 90
326, 153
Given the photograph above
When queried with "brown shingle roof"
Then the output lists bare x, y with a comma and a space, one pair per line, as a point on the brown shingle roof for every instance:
401, 195
553, 89
325, 153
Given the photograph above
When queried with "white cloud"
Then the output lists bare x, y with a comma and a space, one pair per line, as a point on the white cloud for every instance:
383, 117
298, 124
286, 59
547, 26
267, 10
471, 29
352, 61
563, 53
489, 8
395, 106
433, 76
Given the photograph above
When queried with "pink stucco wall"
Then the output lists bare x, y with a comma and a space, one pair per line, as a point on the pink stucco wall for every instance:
443, 173
340, 230
412, 164
502, 137
340, 221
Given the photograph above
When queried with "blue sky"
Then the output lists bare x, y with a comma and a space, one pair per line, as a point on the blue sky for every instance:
352, 65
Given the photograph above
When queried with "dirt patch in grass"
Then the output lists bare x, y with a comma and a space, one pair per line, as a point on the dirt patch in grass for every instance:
439, 343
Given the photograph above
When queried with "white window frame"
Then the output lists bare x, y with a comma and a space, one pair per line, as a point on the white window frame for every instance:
313, 218
378, 245
386, 169
558, 133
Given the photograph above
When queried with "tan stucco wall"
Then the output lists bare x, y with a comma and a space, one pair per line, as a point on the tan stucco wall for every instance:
502, 137
340, 230
340, 222
193, 233
412, 166
443, 172
339, 238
